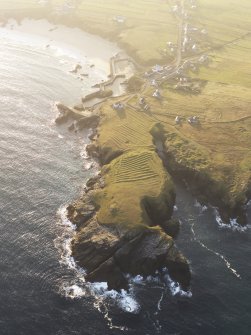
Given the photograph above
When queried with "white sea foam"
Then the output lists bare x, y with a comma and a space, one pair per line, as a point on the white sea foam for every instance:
124, 299
153, 279
202, 208
227, 263
160, 301
136, 280
175, 288
88, 165
233, 225
76, 287
64, 219
128, 303
74, 291
83, 152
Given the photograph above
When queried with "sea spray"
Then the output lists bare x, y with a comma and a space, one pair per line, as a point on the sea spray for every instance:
202, 208
233, 225
77, 287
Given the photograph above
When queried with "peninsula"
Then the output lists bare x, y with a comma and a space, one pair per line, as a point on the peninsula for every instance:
186, 114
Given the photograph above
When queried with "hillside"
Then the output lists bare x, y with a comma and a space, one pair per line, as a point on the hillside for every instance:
203, 51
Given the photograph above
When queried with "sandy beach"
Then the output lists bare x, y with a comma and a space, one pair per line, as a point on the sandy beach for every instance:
87, 49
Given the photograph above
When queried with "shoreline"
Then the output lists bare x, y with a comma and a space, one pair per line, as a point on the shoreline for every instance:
52, 37
90, 149
74, 23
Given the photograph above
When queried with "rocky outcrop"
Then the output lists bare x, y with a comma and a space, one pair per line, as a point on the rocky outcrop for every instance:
76, 68
81, 120
211, 177
108, 256
208, 190
88, 122
108, 253
64, 113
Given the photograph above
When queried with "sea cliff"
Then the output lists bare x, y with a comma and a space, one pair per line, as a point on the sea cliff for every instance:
194, 124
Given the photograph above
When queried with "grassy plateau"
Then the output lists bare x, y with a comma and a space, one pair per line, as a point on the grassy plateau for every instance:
211, 51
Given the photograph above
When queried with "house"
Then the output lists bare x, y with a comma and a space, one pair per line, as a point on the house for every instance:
118, 106
142, 101
154, 83
157, 68
193, 120
119, 19
157, 94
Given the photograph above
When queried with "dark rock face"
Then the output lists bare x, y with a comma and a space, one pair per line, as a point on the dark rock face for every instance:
81, 121
171, 227
209, 191
76, 68
108, 255
110, 272
92, 150
88, 122
64, 113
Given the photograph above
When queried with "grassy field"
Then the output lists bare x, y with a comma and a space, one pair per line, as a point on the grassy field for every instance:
135, 182
219, 149
147, 28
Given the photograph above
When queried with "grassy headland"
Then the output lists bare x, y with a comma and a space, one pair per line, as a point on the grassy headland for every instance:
207, 76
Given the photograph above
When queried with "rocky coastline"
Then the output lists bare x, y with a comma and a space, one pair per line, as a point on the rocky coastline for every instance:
111, 252
109, 243
110, 249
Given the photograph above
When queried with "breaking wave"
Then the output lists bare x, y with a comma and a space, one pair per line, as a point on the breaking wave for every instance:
77, 287
233, 225
202, 208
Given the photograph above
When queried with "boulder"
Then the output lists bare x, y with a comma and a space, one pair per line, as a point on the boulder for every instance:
76, 68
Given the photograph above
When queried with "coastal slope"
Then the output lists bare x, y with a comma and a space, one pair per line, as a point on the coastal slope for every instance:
130, 230
194, 124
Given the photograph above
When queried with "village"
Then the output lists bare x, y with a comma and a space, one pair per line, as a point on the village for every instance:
187, 58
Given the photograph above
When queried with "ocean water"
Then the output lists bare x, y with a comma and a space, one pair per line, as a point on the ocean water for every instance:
44, 167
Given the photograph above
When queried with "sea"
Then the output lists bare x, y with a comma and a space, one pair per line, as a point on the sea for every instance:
44, 167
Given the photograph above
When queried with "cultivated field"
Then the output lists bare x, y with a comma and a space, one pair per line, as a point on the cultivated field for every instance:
217, 150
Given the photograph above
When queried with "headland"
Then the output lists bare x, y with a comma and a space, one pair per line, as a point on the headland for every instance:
186, 114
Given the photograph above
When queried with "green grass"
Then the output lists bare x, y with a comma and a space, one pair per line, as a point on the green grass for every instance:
147, 28
131, 180
219, 149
